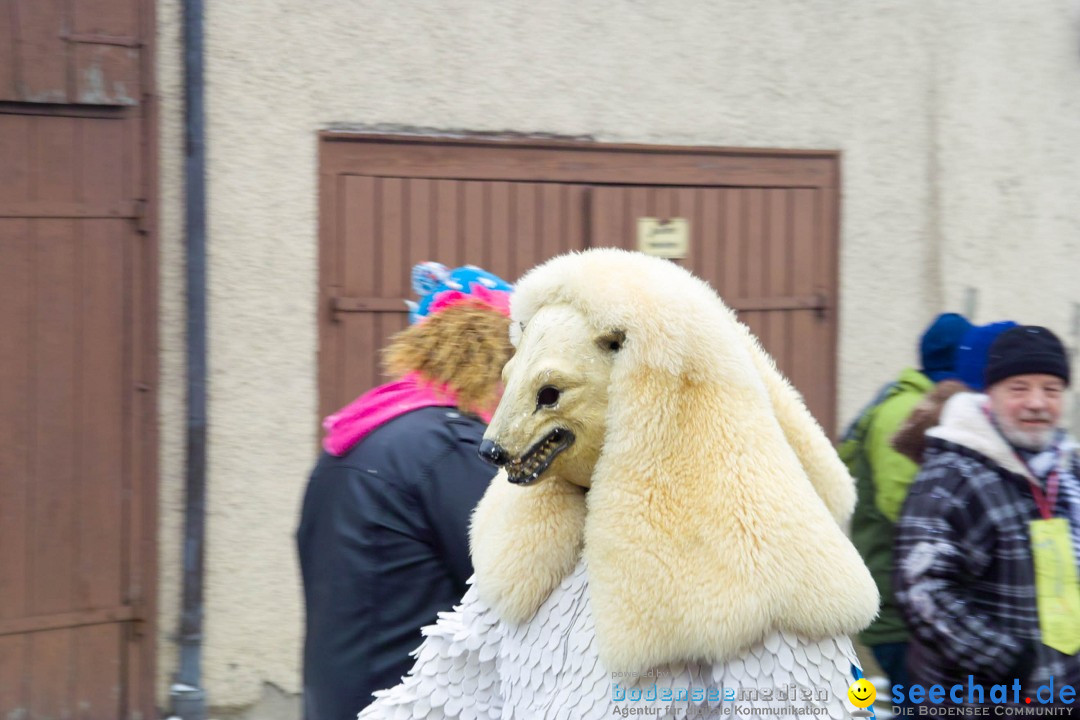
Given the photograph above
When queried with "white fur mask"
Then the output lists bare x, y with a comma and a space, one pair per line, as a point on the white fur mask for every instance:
716, 501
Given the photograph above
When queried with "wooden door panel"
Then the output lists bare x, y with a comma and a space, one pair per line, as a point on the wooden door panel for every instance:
70, 498
764, 252
391, 224
763, 233
55, 51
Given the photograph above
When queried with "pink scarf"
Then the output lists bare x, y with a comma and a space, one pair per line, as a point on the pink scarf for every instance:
379, 406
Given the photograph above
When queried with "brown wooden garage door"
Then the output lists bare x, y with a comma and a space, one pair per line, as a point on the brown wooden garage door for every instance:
77, 371
763, 232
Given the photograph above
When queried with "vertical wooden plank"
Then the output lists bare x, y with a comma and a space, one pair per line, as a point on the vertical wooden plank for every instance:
102, 160
447, 226
502, 238
55, 165
16, 411
105, 17
697, 200
51, 658
359, 243
13, 676
683, 204
525, 227
101, 391
138, 571
394, 272
577, 226
54, 518
565, 218
664, 205
734, 214
8, 60
734, 222
710, 239
806, 374
15, 150
331, 209
421, 222
43, 55
606, 216
359, 370
139, 654
133, 180
640, 203
551, 217
776, 280
358, 236
98, 672
753, 246
474, 228
828, 281
753, 320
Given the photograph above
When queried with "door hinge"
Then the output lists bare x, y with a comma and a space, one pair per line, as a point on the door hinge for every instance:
340, 304
142, 223
137, 624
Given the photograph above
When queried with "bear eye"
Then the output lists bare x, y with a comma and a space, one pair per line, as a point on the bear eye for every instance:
547, 397
612, 341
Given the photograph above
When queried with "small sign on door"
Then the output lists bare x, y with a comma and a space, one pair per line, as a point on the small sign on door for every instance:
668, 238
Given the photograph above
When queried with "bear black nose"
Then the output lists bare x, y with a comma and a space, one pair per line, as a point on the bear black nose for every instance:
493, 453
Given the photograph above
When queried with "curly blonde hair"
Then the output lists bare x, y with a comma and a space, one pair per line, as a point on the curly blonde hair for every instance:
463, 347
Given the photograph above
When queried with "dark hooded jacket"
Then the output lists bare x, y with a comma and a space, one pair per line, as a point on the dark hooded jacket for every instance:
964, 576
383, 549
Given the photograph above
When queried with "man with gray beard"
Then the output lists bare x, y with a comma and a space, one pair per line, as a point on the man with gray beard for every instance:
985, 553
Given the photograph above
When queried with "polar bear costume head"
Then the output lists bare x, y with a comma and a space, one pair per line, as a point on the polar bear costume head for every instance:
643, 426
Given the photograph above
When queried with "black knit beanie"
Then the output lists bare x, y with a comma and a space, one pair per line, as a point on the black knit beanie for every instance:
1025, 350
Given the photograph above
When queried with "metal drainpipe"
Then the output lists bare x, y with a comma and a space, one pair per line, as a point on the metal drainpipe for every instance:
187, 696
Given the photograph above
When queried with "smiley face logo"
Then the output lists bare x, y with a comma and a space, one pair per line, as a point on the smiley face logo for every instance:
862, 693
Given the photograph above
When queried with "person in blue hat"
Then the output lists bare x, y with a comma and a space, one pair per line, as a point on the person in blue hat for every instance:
883, 476
972, 354
971, 359
383, 535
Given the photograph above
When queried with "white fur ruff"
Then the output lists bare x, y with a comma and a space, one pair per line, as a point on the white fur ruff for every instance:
472, 666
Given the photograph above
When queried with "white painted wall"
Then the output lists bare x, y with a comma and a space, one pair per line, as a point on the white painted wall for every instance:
959, 124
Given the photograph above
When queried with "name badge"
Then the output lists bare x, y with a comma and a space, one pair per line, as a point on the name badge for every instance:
1057, 590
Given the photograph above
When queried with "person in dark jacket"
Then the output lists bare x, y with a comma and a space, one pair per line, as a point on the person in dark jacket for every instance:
383, 535
999, 489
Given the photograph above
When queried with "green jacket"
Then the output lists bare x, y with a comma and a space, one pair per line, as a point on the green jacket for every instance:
882, 478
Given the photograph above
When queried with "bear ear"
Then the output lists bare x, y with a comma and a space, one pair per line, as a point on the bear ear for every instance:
612, 341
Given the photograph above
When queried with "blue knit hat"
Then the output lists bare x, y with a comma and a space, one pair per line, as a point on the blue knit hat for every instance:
438, 287
971, 355
938, 345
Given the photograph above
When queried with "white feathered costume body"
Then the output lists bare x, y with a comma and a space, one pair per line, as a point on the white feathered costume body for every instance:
683, 557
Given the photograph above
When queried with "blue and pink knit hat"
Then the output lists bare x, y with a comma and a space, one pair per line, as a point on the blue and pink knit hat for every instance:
439, 288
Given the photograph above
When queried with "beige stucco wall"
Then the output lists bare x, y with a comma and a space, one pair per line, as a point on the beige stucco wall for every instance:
959, 125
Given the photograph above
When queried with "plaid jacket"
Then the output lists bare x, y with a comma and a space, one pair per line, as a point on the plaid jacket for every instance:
963, 572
